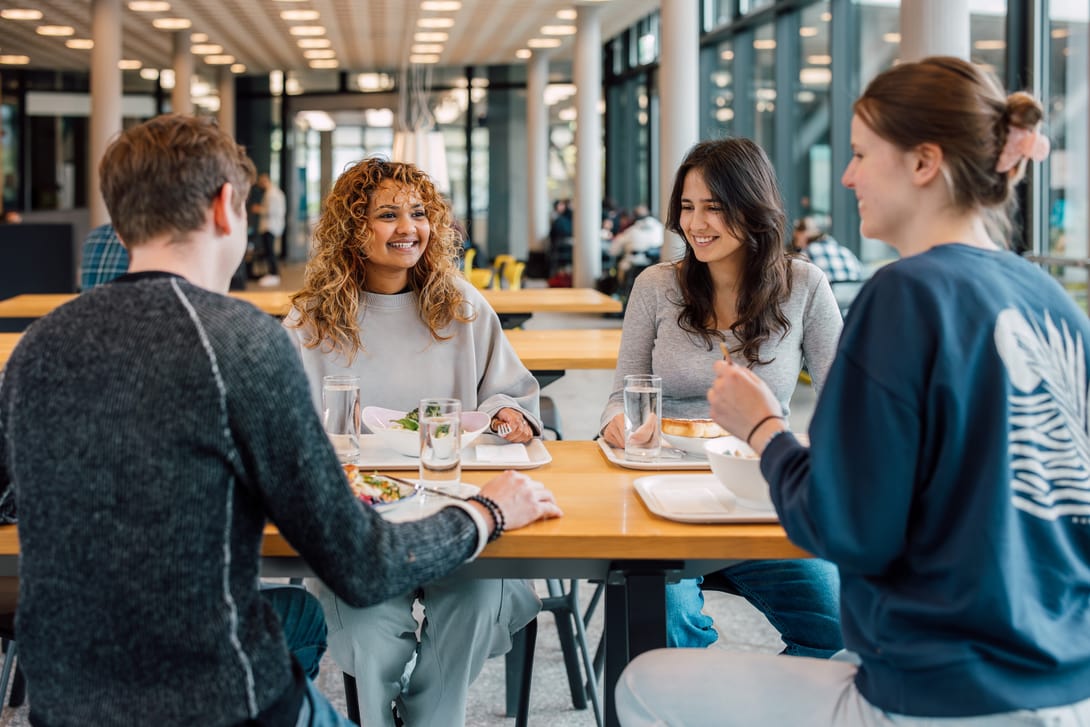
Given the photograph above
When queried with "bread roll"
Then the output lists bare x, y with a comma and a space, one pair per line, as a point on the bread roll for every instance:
700, 428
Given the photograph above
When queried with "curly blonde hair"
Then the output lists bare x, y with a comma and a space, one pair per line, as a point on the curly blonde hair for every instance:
335, 279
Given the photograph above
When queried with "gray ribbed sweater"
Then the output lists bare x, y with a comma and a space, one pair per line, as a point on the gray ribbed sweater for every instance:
150, 427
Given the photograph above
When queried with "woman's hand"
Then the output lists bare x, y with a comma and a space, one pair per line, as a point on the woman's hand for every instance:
520, 428
521, 499
739, 399
614, 432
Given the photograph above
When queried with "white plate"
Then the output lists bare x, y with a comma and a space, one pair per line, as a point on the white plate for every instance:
375, 455
686, 462
692, 445
407, 441
696, 499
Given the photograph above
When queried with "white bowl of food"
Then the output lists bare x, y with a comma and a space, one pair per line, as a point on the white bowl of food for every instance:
738, 468
397, 430
690, 435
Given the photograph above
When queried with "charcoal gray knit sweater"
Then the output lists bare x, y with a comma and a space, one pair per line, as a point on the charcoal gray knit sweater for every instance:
149, 428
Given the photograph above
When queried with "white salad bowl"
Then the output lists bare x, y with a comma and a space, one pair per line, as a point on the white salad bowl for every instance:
738, 468
382, 423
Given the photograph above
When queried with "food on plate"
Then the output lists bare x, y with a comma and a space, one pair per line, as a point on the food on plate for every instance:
411, 420
700, 428
373, 489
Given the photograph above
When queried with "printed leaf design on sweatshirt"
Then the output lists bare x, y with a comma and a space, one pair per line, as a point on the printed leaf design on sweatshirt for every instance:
1050, 433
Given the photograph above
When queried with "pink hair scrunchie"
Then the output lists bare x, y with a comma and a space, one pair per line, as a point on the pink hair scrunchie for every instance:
1022, 144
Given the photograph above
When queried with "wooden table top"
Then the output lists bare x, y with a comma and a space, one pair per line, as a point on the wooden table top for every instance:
538, 350
578, 348
604, 518
278, 302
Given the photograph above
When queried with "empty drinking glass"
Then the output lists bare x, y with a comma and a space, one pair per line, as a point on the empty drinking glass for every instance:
642, 415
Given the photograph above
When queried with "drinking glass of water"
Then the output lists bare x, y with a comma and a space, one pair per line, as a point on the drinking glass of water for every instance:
642, 415
341, 415
440, 442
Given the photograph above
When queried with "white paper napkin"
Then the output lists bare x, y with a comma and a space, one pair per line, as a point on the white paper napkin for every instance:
502, 453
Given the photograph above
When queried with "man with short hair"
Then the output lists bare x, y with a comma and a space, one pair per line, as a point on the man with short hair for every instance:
150, 427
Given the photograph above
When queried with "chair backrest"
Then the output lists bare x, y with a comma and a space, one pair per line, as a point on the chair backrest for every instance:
467, 261
501, 264
513, 274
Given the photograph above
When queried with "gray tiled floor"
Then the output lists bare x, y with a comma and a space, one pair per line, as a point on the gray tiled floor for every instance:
579, 396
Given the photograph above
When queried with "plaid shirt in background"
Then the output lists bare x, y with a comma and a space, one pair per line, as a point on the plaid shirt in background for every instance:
104, 258
839, 263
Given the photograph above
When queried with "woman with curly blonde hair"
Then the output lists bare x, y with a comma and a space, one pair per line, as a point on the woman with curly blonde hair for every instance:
382, 297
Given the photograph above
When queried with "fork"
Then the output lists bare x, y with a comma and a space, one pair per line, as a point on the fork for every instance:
503, 429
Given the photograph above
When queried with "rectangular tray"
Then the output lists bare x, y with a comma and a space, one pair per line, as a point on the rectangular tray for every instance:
696, 499
686, 462
374, 456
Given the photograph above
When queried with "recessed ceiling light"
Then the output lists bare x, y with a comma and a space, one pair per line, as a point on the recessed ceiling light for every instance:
307, 30
205, 49
80, 43
568, 14
14, 60
224, 59
320, 53
427, 48
990, 45
149, 6
129, 64
300, 14
819, 60
807, 31
238, 68
198, 38
323, 63
523, 53
171, 23
891, 37
149, 74
21, 14
423, 58
430, 37
441, 6
558, 30
764, 44
314, 42
59, 31
435, 22
543, 42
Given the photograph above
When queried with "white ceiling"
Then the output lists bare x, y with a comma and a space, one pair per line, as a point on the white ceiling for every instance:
366, 35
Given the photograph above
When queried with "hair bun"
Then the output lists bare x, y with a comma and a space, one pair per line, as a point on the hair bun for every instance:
1023, 110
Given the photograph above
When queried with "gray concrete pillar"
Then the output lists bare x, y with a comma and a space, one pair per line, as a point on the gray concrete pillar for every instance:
180, 99
105, 96
587, 218
679, 100
934, 27
225, 87
537, 153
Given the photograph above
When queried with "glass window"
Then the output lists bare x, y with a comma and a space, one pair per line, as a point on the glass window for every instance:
763, 89
749, 6
814, 176
721, 96
1066, 114
879, 39
717, 12
988, 34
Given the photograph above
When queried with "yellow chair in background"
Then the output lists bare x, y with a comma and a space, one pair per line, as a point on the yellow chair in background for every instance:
480, 277
512, 274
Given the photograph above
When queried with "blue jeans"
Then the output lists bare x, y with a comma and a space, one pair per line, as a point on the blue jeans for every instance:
800, 598
303, 624
316, 711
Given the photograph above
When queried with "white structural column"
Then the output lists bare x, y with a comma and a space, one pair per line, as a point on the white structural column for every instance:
181, 100
225, 88
934, 27
105, 95
679, 100
537, 153
587, 217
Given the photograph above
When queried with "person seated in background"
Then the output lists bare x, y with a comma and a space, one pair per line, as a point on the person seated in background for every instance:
382, 296
639, 244
838, 263
188, 424
948, 472
735, 285
103, 259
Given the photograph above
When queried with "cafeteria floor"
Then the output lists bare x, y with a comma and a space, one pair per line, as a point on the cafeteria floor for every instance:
579, 397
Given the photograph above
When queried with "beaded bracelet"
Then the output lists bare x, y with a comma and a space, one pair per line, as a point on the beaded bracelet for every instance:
495, 511
758, 425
